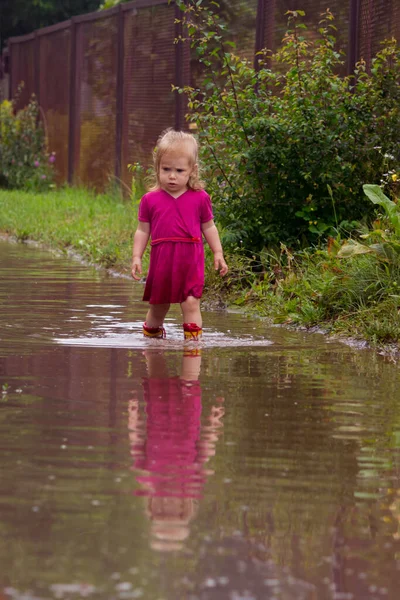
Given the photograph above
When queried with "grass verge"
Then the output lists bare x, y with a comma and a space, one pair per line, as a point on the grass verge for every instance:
357, 297
99, 228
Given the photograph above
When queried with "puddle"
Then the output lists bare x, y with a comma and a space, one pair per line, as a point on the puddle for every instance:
261, 463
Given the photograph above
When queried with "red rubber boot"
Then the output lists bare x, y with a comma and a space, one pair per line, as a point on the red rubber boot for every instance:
191, 331
153, 332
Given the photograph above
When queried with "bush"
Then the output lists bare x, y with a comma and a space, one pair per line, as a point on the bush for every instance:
25, 161
287, 147
349, 286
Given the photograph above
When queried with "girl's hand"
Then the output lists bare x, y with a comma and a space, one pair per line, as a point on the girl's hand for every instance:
136, 269
220, 264
211, 234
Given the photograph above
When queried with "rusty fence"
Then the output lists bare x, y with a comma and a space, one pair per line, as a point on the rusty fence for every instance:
103, 80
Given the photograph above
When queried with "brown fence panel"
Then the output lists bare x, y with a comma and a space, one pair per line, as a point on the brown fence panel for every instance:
379, 20
149, 72
242, 22
276, 21
241, 18
95, 114
54, 78
396, 20
23, 78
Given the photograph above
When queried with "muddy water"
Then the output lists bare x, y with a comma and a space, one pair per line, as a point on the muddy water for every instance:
265, 466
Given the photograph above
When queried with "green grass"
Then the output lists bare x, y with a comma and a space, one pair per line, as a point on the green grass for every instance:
99, 228
357, 297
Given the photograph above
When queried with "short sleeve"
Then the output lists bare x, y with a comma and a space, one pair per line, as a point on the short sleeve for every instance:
206, 213
144, 212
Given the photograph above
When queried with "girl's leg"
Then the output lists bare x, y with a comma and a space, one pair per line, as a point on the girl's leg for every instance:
156, 315
191, 311
191, 365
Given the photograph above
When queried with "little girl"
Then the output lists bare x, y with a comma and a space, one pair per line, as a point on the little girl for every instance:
175, 214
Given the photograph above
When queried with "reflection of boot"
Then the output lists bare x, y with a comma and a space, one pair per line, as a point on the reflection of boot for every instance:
193, 352
191, 331
153, 332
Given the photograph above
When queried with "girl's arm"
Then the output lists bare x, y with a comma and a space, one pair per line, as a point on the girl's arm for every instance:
211, 234
140, 240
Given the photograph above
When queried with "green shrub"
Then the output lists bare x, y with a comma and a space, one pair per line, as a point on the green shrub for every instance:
25, 162
287, 147
383, 240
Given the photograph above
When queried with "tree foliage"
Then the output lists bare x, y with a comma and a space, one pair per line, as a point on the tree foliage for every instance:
19, 17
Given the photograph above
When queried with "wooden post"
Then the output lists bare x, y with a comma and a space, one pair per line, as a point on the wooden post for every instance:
36, 72
354, 35
260, 32
179, 79
72, 102
10, 68
119, 93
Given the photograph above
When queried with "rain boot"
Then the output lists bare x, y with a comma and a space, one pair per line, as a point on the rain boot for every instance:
153, 332
191, 331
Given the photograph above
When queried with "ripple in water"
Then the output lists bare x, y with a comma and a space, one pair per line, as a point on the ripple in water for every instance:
174, 341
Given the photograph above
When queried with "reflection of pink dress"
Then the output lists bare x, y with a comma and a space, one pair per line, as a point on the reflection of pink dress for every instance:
170, 450
176, 267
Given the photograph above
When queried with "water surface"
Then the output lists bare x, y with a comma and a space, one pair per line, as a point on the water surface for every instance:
265, 466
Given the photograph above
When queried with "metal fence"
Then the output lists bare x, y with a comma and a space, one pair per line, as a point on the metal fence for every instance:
103, 80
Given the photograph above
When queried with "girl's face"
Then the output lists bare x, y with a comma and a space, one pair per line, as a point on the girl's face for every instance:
175, 170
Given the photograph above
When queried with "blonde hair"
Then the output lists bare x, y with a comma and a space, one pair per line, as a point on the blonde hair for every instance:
171, 140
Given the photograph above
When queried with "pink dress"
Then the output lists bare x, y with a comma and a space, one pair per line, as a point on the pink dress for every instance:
169, 450
176, 265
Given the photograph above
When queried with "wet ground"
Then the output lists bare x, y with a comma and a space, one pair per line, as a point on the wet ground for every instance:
265, 466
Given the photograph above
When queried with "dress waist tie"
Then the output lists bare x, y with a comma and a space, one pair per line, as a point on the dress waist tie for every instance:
192, 240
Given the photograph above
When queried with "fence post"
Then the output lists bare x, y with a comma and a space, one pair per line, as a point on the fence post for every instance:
354, 35
260, 31
72, 103
265, 25
119, 92
10, 68
179, 79
36, 72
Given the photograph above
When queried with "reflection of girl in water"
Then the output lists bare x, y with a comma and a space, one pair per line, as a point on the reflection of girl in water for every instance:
169, 447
